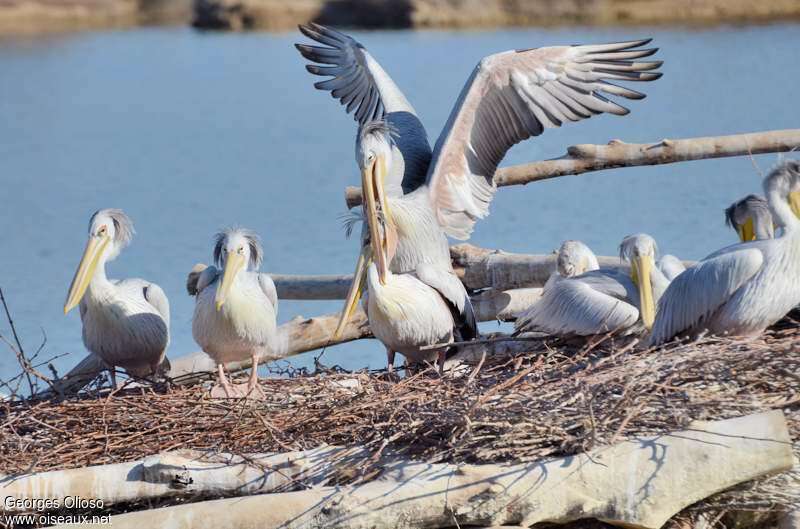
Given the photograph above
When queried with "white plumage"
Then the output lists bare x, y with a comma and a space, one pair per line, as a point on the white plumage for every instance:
600, 301
236, 307
509, 97
744, 288
125, 322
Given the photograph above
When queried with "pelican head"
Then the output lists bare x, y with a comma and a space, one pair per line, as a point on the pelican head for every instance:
110, 230
574, 258
751, 218
640, 250
374, 156
235, 249
782, 187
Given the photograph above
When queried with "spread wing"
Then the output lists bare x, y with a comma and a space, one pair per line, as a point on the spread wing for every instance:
452, 290
268, 287
358, 81
594, 303
512, 96
697, 293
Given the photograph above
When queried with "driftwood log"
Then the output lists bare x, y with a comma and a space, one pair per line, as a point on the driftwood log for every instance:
637, 483
187, 473
586, 158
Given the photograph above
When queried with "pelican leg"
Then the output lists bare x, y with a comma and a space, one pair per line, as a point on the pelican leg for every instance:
252, 384
390, 361
113, 372
223, 380
440, 361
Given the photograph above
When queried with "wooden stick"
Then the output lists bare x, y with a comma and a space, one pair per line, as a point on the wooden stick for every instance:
587, 158
636, 483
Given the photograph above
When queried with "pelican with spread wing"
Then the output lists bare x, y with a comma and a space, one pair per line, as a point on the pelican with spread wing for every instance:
236, 306
604, 300
744, 288
125, 321
751, 218
510, 96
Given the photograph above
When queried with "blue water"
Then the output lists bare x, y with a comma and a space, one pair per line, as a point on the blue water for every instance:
190, 132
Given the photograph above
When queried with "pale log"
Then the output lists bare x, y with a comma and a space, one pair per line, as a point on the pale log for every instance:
186, 473
586, 158
637, 483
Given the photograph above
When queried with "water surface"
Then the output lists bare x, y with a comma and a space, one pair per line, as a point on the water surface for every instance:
190, 132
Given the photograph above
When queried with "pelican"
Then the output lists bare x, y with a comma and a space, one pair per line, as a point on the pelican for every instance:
125, 321
604, 300
751, 218
408, 311
575, 258
234, 315
742, 289
427, 195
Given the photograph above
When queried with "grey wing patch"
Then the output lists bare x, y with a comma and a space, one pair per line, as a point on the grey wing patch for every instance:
268, 287
158, 299
193, 278
206, 277
346, 61
699, 292
583, 306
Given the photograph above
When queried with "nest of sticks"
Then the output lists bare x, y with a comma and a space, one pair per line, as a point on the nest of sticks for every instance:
556, 399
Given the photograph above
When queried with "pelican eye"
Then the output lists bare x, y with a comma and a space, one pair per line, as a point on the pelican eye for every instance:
241, 250
102, 230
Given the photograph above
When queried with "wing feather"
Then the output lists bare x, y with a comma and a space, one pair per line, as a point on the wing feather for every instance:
514, 95
268, 287
594, 303
355, 74
452, 290
699, 292
158, 299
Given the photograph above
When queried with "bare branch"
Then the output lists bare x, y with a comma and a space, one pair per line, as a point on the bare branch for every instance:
587, 158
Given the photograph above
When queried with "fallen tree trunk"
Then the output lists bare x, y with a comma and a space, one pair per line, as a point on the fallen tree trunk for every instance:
186, 473
637, 483
586, 158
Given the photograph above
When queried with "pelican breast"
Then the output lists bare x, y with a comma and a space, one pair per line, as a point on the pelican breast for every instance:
244, 324
406, 314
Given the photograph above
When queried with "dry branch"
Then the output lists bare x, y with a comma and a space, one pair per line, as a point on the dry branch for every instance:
637, 483
585, 158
